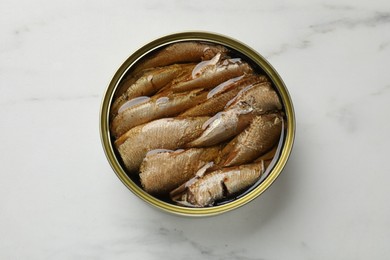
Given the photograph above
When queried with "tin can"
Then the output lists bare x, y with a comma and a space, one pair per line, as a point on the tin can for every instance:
285, 144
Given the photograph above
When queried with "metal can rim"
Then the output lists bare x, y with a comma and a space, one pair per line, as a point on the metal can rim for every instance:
212, 38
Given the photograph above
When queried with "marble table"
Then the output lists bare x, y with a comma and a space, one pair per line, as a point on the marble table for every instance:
59, 198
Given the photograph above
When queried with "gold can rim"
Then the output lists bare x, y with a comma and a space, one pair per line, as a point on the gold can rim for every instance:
211, 38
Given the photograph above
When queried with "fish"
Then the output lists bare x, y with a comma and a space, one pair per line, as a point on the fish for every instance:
159, 106
250, 102
202, 191
149, 83
162, 172
260, 97
262, 134
222, 127
213, 73
127, 81
269, 155
189, 76
220, 95
166, 133
181, 52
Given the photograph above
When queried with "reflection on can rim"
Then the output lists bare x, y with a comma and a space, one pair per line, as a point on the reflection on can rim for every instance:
211, 38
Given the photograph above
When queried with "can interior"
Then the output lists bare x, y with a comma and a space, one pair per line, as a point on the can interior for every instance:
229, 203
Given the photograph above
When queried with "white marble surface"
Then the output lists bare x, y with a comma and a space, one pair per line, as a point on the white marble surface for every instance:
59, 198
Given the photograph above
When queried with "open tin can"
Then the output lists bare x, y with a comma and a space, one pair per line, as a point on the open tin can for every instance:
237, 52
